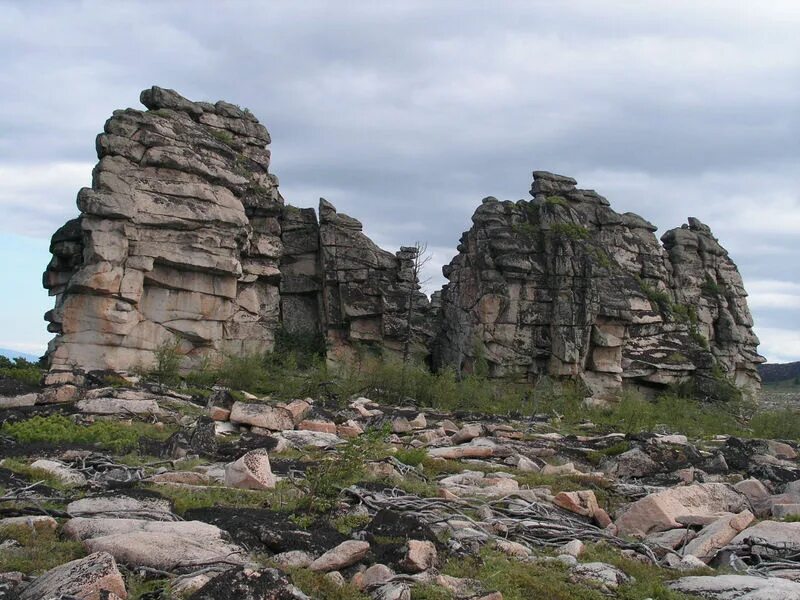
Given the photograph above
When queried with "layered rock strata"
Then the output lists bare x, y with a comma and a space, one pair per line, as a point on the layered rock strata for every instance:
184, 239
562, 285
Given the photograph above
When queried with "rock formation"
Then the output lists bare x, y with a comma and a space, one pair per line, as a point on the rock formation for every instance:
184, 239
564, 286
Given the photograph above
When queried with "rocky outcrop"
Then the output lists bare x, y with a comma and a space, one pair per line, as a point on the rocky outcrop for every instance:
185, 240
562, 285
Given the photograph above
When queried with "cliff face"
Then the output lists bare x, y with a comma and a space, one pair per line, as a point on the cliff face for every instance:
184, 237
563, 285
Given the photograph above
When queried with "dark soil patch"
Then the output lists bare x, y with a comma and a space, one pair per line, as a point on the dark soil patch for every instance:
10, 448
236, 584
268, 530
14, 387
248, 441
389, 532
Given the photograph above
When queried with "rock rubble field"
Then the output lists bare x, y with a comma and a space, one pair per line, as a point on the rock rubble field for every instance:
140, 491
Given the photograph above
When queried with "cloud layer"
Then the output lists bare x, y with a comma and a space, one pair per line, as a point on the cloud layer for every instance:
407, 114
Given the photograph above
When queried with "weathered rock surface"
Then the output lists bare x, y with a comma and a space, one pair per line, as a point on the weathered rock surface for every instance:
345, 554
563, 285
252, 471
184, 242
85, 578
739, 587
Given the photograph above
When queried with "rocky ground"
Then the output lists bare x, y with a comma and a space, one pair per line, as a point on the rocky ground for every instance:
136, 491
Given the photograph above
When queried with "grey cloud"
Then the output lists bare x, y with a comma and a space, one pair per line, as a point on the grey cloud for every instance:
406, 114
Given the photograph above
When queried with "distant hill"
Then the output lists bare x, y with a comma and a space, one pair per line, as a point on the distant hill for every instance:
772, 373
16, 353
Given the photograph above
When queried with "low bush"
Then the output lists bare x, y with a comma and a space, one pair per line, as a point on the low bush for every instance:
412, 456
316, 585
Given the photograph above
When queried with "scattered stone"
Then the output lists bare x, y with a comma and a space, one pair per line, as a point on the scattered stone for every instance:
310, 439
36, 522
602, 575
374, 576
345, 554
418, 422
217, 413
86, 578
181, 477
293, 559
315, 425
245, 583
299, 409
565, 469
781, 511
269, 417
401, 425
252, 471
582, 503
513, 549
572, 548
631, 464
774, 533
396, 590
659, 511
467, 433
718, 535
349, 429
420, 556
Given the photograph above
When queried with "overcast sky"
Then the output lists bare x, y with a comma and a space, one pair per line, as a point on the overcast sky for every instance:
406, 114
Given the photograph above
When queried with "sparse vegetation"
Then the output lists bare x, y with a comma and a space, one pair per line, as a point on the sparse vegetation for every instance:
318, 586
282, 497
166, 369
710, 287
571, 231
22, 370
222, 136
39, 549
59, 429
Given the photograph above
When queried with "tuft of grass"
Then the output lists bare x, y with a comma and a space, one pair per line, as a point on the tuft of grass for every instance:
650, 580
56, 429
316, 585
39, 550
222, 136
412, 456
430, 592
518, 580
139, 586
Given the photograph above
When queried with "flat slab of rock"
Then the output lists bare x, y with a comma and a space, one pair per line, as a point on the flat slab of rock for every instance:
118, 406
738, 587
311, 439
18, 401
345, 554
659, 511
777, 533
165, 550
154, 509
81, 528
85, 578
456, 452
274, 418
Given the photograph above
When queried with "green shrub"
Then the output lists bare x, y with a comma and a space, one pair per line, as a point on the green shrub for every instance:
166, 370
556, 201
346, 524
781, 424
326, 478
710, 287
57, 429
